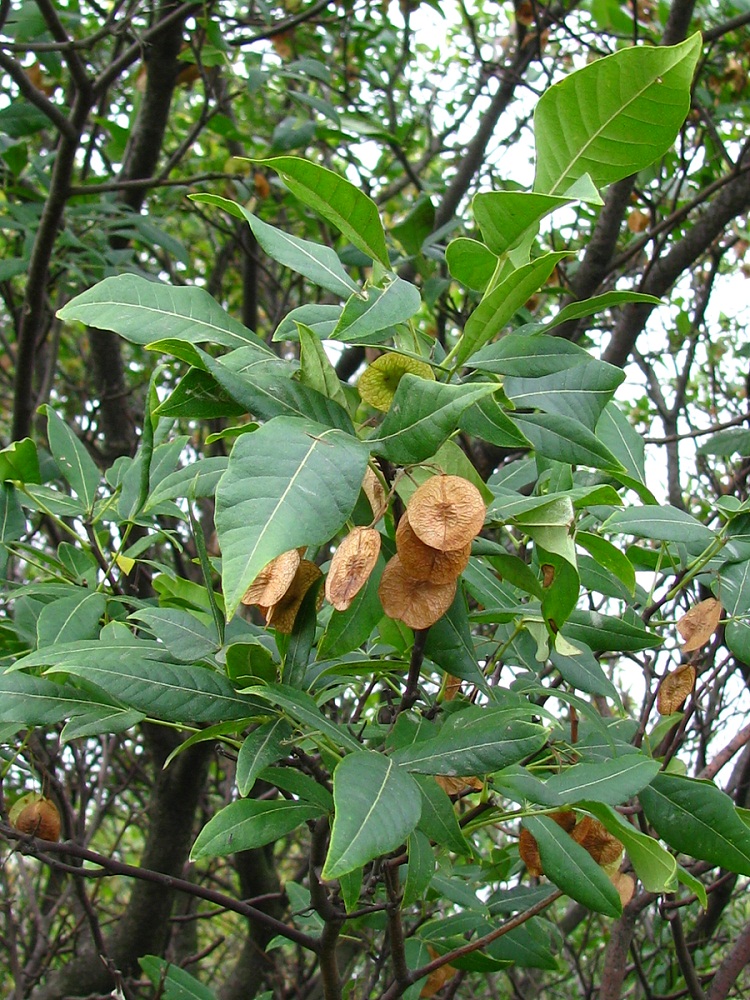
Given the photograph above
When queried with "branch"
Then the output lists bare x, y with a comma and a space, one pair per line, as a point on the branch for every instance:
16, 72
683, 955
731, 967
46, 850
710, 771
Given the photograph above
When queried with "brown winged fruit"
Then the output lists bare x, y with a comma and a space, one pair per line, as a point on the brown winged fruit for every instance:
422, 562
446, 512
282, 614
698, 625
417, 603
351, 566
36, 815
675, 688
274, 580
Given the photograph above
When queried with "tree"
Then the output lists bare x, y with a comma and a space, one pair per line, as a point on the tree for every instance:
478, 755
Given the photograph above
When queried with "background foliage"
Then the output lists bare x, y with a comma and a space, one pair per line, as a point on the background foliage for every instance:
550, 309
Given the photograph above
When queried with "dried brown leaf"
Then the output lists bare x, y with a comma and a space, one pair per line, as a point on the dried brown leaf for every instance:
452, 687
422, 562
699, 624
417, 603
274, 580
437, 979
282, 614
454, 786
675, 688
351, 566
594, 837
446, 512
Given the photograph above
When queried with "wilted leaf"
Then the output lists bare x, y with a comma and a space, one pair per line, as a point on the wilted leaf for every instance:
675, 688
417, 603
274, 580
351, 566
446, 512
422, 562
699, 624
454, 786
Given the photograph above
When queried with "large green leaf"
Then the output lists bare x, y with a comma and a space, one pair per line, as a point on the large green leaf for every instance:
174, 983
606, 633
498, 307
474, 741
580, 392
304, 710
78, 468
377, 312
290, 483
335, 199
187, 637
142, 311
438, 819
504, 216
470, 262
572, 868
377, 805
588, 122
264, 746
36, 701
315, 261
734, 592
20, 461
71, 618
249, 823
611, 781
661, 523
697, 819
564, 439
655, 867
422, 416
531, 356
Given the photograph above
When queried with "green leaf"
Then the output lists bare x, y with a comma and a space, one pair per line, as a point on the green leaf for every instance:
319, 264
655, 867
611, 781
697, 819
609, 557
589, 307
532, 356
137, 308
187, 637
36, 701
198, 395
249, 823
586, 123
173, 982
580, 393
420, 867
616, 432
316, 370
377, 805
198, 479
264, 746
336, 200
505, 216
470, 262
19, 461
572, 868
290, 483
734, 592
320, 317
661, 523
377, 311
422, 416
71, 618
565, 440
499, 306
438, 819
474, 741
450, 644
73, 460
303, 709
488, 421
606, 633
100, 720
583, 671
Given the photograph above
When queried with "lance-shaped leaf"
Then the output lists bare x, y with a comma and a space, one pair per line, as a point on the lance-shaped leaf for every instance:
335, 199
176, 983
606, 633
303, 709
319, 263
264, 746
377, 805
290, 483
248, 823
474, 741
580, 392
565, 439
499, 306
697, 819
78, 468
422, 416
36, 701
655, 867
734, 591
71, 618
664, 524
611, 781
505, 216
380, 310
587, 122
572, 868
139, 309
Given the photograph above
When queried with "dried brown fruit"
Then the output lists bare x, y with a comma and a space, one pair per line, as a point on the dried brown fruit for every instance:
454, 786
36, 815
378, 383
594, 837
438, 978
675, 688
373, 490
282, 614
638, 221
274, 580
422, 562
417, 603
351, 566
452, 687
699, 624
446, 512
625, 886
